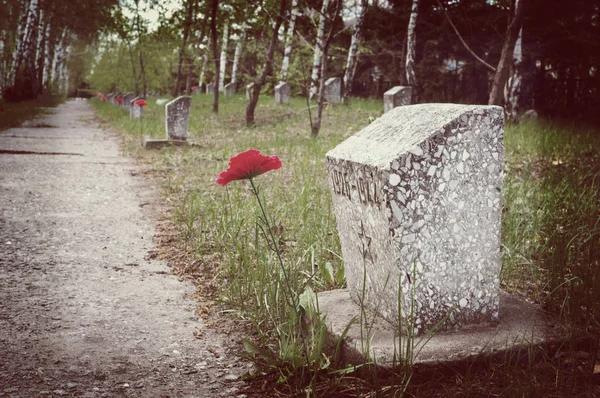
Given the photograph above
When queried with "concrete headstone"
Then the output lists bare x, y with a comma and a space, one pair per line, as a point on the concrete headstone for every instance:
418, 196
177, 113
230, 89
127, 100
333, 90
132, 105
210, 88
136, 111
396, 96
249, 88
282, 93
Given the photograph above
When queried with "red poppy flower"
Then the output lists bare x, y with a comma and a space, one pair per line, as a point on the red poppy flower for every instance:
194, 87
103, 98
119, 100
246, 165
140, 102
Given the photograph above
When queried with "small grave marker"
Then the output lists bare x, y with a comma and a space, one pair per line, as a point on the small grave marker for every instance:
282, 93
396, 96
210, 88
177, 113
136, 111
333, 90
417, 196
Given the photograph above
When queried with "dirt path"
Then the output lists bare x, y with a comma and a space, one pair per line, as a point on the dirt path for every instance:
83, 311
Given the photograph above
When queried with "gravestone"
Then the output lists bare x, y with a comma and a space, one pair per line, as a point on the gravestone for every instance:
177, 113
210, 88
417, 196
396, 96
127, 100
136, 111
230, 89
282, 93
333, 90
249, 88
132, 105
197, 89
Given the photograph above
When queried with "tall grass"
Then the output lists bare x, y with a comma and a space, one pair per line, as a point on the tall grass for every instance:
550, 226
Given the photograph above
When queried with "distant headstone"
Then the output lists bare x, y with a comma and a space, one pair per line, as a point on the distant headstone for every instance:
333, 90
132, 105
396, 96
210, 88
418, 196
529, 115
136, 111
282, 93
161, 101
230, 89
127, 100
197, 90
249, 88
177, 113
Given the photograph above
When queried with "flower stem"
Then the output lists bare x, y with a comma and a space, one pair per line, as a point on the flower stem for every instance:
278, 252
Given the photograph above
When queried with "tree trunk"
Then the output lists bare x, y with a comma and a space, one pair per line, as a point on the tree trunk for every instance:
411, 42
352, 51
512, 92
285, 64
316, 125
213, 43
190, 76
267, 68
186, 33
24, 83
501, 75
318, 55
236, 57
202, 71
223, 63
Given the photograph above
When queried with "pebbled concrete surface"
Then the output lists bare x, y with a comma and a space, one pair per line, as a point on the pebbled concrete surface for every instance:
84, 310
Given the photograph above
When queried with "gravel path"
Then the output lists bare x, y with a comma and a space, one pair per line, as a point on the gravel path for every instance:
84, 311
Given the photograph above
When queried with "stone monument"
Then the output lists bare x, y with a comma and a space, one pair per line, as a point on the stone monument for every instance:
333, 90
127, 100
249, 88
136, 111
177, 113
396, 96
282, 93
230, 89
418, 196
132, 105
210, 88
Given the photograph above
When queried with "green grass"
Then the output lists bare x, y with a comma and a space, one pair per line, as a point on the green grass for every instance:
550, 227
15, 113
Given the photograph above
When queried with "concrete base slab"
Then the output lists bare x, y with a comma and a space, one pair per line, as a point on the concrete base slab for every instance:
158, 144
521, 324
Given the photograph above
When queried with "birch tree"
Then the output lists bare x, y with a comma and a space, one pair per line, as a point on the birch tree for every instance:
239, 43
267, 67
285, 64
190, 8
223, 61
411, 42
513, 87
213, 45
23, 85
503, 68
353, 50
318, 53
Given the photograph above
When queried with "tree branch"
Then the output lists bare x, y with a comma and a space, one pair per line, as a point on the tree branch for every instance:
490, 67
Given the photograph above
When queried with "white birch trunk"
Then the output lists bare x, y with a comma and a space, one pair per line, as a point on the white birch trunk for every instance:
236, 57
411, 77
318, 55
202, 70
285, 64
204, 60
47, 59
20, 39
352, 51
513, 87
223, 65
59, 55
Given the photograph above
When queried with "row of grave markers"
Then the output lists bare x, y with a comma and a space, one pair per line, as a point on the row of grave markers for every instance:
396, 96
